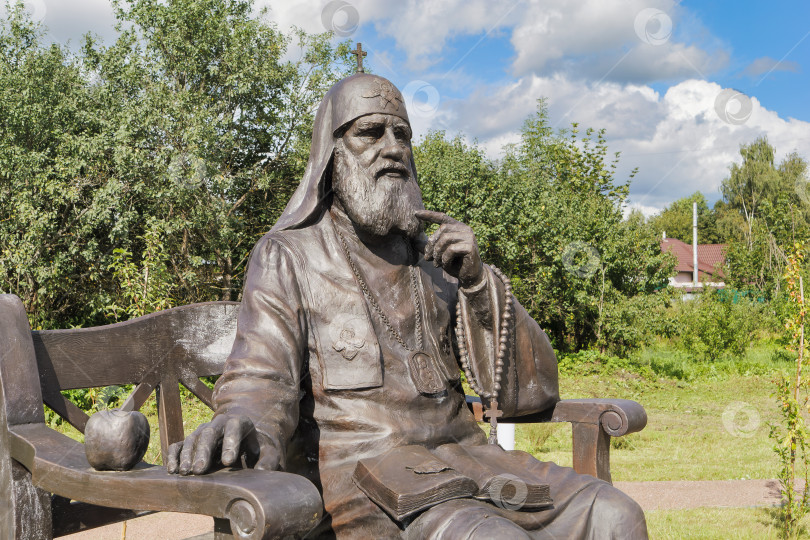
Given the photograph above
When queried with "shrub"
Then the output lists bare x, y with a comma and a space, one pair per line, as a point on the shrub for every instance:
716, 324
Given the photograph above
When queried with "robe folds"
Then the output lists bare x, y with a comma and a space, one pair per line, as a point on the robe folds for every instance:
326, 383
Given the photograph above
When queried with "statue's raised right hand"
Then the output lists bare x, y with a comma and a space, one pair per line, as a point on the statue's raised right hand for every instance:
234, 436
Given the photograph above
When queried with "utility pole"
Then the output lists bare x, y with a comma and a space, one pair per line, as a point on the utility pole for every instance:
694, 245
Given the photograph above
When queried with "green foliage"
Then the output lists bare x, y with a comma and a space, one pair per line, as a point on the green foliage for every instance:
769, 209
790, 435
665, 361
550, 215
190, 131
142, 289
591, 362
90, 400
714, 324
676, 220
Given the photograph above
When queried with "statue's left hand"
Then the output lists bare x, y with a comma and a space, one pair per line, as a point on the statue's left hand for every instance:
454, 248
234, 435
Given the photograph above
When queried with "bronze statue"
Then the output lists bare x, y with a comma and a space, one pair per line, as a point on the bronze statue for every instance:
353, 327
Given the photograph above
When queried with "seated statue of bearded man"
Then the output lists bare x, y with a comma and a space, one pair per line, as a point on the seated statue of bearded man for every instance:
346, 343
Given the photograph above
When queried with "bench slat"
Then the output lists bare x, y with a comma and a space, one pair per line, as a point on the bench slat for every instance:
141, 393
189, 339
170, 415
65, 408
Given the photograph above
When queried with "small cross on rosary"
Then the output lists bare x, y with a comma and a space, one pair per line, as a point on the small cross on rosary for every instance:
492, 414
359, 53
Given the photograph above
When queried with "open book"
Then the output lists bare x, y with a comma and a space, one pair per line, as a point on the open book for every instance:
409, 479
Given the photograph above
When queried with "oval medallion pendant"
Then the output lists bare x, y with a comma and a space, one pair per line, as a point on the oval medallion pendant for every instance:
424, 374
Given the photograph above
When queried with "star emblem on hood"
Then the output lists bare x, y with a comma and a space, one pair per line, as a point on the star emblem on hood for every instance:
386, 92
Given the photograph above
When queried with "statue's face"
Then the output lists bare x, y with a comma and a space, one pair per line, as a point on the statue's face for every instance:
381, 143
373, 177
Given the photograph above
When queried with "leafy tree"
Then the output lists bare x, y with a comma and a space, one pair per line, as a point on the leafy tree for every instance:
217, 127
190, 131
770, 207
676, 220
717, 324
550, 215
54, 209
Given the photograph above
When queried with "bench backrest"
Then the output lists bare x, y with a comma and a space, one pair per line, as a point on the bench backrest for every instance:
154, 352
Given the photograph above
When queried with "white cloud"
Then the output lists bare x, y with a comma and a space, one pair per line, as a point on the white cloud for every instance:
421, 28
766, 65
67, 22
622, 110
619, 40
646, 211
677, 140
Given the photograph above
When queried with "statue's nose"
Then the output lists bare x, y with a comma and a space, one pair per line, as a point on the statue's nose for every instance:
392, 148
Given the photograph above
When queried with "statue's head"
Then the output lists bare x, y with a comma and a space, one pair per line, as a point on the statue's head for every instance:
373, 176
360, 160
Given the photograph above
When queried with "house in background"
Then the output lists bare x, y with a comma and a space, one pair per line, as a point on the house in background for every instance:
710, 264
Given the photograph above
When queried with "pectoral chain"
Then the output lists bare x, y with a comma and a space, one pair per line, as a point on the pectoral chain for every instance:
376, 306
492, 413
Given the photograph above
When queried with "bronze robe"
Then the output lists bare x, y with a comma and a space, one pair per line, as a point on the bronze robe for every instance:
325, 382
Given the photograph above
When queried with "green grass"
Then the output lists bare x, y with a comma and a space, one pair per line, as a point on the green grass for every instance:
714, 524
712, 425
686, 437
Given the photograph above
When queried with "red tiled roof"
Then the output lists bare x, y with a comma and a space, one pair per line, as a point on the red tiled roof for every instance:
710, 257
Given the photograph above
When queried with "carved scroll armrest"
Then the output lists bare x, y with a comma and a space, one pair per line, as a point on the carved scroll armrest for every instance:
593, 421
258, 504
617, 417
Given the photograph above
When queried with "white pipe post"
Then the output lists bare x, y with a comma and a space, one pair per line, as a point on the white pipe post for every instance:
506, 436
694, 245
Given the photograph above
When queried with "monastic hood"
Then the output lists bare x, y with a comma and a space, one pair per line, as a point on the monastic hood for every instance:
355, 96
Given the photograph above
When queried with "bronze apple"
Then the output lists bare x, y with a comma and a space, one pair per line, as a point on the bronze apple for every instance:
116, 440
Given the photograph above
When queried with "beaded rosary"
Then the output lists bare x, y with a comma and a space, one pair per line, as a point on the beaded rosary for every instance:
492, 413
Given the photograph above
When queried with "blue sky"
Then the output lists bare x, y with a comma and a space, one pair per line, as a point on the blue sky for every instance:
755, 30
678, 85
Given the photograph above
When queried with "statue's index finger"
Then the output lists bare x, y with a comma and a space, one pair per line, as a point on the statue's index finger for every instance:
237, 429
431, 216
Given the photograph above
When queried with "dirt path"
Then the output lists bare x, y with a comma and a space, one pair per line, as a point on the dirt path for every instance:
670, 495
667, 495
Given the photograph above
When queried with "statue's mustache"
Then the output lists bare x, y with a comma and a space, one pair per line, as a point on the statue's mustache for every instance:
390, 167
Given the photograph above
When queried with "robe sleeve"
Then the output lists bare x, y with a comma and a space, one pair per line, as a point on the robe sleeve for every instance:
262, 375
529, 381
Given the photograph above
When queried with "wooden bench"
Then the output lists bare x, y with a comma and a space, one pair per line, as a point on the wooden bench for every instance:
54, 491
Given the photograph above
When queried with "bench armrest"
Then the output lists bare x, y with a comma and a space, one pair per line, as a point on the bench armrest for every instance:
616, 416
593, 421
259, 504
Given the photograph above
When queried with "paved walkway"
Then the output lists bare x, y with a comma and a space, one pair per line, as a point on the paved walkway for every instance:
673, 495
668, 495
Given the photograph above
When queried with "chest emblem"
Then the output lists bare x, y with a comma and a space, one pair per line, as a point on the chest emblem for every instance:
348, 343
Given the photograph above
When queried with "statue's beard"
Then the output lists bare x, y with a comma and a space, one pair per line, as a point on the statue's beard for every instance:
377, 205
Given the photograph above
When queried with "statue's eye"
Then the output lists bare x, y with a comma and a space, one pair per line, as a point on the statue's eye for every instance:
371, 132
402, 134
